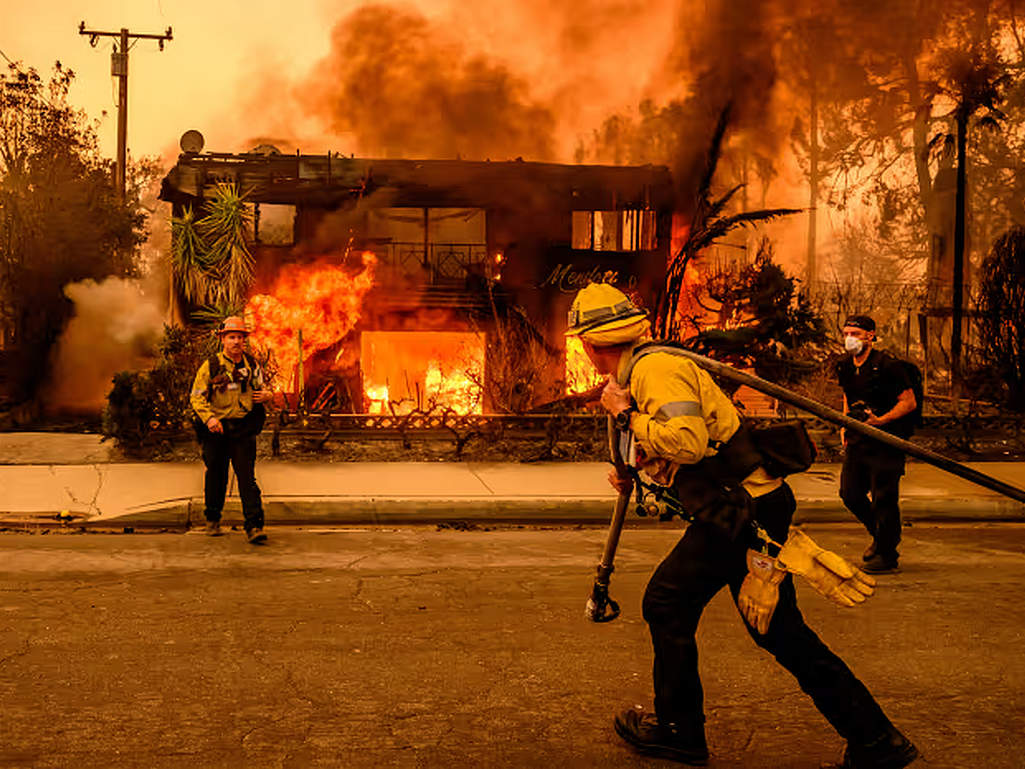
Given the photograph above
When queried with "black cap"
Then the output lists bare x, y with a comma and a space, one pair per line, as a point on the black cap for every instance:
860, 321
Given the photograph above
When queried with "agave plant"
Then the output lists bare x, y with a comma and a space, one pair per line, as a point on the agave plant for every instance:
212, 262
190, 263
223, 229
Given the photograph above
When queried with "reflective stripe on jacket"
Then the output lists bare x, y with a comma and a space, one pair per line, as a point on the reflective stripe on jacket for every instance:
680, 409
682, 414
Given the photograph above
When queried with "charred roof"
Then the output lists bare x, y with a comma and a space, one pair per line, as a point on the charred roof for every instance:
332, 180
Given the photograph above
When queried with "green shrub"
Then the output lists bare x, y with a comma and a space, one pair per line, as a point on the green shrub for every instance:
145, 407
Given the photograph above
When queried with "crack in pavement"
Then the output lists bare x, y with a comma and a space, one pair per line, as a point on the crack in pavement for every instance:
357, 595
747, 742
313, 705
358, 560
476, 475
91, 504
246, 735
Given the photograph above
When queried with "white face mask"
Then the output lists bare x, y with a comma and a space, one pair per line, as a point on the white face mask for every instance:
853, 344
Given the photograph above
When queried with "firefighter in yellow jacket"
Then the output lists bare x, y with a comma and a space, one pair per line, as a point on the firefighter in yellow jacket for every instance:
683, 431
228, 396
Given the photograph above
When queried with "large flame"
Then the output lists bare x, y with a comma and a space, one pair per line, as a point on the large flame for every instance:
323, 301
454, 389
581, 375
426, 370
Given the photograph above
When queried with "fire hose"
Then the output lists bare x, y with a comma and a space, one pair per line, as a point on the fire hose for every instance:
601, 607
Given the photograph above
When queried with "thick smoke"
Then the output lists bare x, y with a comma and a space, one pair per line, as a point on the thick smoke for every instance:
584, 58
403, 86
728, 63
526, 79
115, 327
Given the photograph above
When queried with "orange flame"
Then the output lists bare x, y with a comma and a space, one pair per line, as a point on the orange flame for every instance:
377, 400
426, 370
679, 232
581, 375
321, 300
455, 390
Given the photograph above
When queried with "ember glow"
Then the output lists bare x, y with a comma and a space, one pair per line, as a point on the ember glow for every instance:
425, 370
581, 375
321, 300
377, 399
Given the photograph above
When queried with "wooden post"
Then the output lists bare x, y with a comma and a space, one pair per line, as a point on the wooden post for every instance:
300, 380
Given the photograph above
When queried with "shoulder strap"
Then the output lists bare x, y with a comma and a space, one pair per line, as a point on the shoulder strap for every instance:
250, 363
214, 364
649, 348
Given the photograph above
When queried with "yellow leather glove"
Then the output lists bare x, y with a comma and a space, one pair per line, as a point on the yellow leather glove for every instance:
759, 593
827, 572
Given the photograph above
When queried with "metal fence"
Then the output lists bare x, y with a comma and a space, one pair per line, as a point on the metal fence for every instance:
436, 262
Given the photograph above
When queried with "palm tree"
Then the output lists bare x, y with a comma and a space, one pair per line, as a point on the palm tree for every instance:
974, 79
707, 225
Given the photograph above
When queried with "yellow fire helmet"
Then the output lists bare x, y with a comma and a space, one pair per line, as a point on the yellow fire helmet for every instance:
232, 323
603, 315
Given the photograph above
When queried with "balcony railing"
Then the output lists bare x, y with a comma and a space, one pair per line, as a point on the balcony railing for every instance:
432, 262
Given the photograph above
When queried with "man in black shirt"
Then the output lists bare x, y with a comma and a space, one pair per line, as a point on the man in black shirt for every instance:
877, 391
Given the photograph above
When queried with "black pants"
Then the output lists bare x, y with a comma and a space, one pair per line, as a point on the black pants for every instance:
702, 562
870, 488
240, 451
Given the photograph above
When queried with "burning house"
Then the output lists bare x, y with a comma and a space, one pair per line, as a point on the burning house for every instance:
392, 285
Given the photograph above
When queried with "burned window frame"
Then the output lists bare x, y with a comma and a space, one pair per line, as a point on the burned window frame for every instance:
256, 224
643, 229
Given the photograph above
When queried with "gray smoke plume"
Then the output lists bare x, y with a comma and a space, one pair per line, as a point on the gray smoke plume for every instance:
115, 327
403, 86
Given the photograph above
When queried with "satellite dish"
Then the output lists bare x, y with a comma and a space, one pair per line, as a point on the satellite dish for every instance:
191, 141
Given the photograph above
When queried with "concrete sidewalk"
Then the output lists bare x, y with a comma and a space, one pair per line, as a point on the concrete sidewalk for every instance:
171, 494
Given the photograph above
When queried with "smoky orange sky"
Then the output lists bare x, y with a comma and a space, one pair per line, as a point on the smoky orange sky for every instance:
423, 78
238, 71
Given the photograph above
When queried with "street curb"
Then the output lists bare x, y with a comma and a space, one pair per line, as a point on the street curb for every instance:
369, 511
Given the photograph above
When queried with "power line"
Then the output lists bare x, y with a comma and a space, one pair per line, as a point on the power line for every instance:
119, 69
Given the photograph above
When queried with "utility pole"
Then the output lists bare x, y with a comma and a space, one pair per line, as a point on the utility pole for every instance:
957, 313
813, 181
119, 69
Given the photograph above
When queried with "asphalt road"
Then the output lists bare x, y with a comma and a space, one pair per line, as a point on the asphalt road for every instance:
424, 648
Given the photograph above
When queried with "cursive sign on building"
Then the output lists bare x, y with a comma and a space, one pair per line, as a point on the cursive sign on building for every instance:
568, 280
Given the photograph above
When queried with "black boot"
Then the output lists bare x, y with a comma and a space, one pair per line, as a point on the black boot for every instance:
677, 742
891, 751
881, 564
